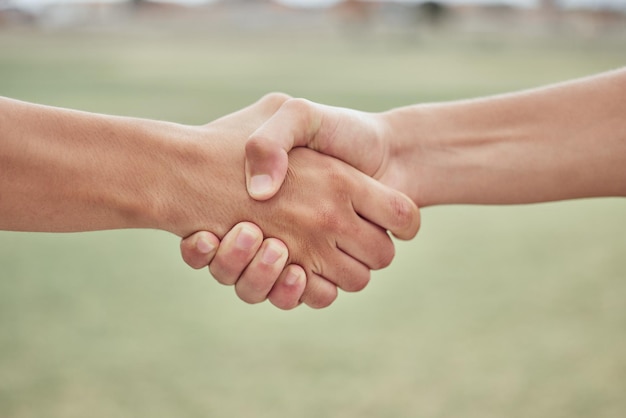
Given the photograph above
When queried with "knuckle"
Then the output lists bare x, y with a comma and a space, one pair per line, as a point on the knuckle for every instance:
275, 99
328, 219
336, 176
321, 299
357, 282
256, 145
297, 105
188, 253
384, 256
403, 212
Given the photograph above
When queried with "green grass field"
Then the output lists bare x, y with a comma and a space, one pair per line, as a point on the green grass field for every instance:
489, 312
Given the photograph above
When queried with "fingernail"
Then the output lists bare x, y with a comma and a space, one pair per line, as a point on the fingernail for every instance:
291, 278
245, 239
271, 254
260, 184
204, 246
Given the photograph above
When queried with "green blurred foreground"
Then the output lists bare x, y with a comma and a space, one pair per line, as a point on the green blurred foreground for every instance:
490, 312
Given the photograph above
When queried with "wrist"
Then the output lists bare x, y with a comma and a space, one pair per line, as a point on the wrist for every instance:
152, 180
202, 186
408, 135
180, 178
456, 151
446, 148
149, 180
79, 171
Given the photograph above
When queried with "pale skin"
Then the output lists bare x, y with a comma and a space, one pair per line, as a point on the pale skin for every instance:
64, 171
564, 141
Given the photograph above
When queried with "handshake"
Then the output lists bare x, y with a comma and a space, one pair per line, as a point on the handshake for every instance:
325, 228
289, 200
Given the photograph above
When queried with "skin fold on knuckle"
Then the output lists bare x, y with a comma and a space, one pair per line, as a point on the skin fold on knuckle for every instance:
384, 255
405, 216
356, 282
259, 147
275, 99
297, 106
333, 214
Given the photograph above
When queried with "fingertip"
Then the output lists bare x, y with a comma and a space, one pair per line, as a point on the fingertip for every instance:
261, 187
199, 249
236, 250
206, 242
266, 164
295, 276
248, 236
274, 250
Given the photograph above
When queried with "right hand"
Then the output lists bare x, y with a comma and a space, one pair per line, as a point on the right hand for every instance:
362, 140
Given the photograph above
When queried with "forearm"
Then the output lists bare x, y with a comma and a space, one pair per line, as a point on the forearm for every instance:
64, 170
561, 142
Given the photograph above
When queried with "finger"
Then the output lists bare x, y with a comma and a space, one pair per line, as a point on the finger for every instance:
199, 248
386, 207
237, 249
368, 243
294, 124
289, 288
345, 272
263, 271
319, 292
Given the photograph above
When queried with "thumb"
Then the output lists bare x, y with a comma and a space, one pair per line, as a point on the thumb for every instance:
296, 123
266, 167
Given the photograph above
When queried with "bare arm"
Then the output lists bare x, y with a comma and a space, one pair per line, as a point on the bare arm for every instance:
558, 142
64, 170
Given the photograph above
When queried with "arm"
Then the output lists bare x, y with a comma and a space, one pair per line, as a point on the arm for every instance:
558, 142
64, 170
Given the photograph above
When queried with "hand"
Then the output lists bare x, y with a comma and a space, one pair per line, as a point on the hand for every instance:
247, 268
360, 139
327, 213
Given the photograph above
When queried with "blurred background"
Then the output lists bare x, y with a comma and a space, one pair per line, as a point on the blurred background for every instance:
489, 312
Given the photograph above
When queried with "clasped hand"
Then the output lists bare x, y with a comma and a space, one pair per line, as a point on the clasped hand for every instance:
324, 229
